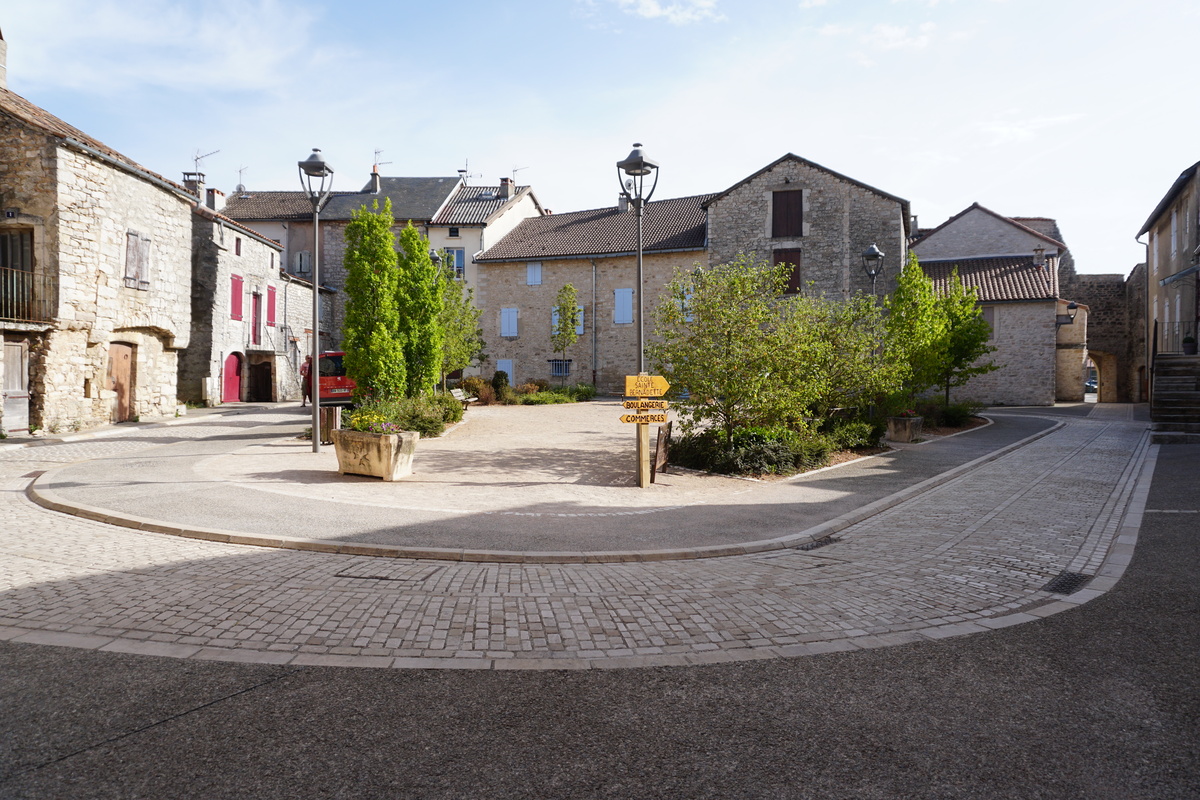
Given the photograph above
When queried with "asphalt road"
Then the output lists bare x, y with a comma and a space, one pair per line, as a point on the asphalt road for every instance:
1099, 702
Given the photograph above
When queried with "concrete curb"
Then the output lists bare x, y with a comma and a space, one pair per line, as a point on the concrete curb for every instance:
41, 492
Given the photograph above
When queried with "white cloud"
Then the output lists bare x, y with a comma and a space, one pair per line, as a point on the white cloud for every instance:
812, 3
1014, 129
677, 13
895, 37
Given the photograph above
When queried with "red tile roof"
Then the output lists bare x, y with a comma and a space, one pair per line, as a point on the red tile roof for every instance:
999, 279
668, 225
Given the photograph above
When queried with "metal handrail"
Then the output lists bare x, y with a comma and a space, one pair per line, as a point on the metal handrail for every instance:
26, 296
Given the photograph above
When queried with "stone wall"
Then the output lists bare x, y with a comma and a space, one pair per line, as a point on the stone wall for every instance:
1111, 332
1024, 337
841, 219
503, 285
977, 234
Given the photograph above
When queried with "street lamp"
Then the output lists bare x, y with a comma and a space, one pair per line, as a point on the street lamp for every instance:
1069, 317
872, 259
313, 174
637, 167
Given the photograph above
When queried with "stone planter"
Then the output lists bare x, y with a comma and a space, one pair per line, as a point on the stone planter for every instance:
904, 429
380, 455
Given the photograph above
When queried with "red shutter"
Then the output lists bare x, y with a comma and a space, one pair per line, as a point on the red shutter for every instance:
787, 213
235, 296
271, 305
791, 256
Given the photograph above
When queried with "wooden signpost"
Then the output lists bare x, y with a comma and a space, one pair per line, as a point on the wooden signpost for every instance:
643, 387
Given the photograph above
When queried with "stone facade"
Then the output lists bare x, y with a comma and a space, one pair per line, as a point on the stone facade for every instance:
266, 337
113, 243
841, 219
1115, 331
606, 350
1024, 337
1173, 257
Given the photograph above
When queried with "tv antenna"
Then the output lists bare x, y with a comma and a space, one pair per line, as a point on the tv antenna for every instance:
464, 174
241, 186
198, 158
378, 153
515, 170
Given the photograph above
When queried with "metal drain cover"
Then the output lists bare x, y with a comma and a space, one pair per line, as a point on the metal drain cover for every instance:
1067, 583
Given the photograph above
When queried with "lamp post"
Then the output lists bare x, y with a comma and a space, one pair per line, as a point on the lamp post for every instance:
313, 174
1069, 317
872, 259
637, 167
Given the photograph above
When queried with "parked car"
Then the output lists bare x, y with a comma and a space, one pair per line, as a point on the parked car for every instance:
336, 388
1090, 385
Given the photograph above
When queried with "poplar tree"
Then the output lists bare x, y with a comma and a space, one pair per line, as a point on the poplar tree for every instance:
462, 337
419, 301
374, 355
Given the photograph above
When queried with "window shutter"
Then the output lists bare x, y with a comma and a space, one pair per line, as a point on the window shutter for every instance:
133, 259
271, 306
508, 322
235, 296
787, 213
622, 306
553, 320
533, 273
791, 256
579, 326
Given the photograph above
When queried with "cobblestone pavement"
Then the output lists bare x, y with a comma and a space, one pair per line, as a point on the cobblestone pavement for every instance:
970, 555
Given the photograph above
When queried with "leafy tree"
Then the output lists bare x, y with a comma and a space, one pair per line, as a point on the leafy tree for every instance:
462, 337
915, 327
965, 337
374, 356
419, 301
566, 320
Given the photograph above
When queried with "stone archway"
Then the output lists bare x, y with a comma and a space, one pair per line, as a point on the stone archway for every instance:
1107, 373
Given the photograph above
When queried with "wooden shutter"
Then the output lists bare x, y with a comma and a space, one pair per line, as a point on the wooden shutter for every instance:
235, 296
271, 306
622, 306
133, 259
508, 322
790, 255
787, 213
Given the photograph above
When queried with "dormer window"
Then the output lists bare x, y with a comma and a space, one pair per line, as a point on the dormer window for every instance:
453, 233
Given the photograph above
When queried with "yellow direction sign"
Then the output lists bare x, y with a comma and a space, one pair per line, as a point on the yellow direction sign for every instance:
646, 386
643, 418
644, 405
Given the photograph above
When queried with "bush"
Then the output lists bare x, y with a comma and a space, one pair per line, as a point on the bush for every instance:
500, 381
543, 398
472, 385
485, 395
582, 391
849, 435
422, 414
756, 451
452, 410
528, 388
506, 395
541, 383
957, 415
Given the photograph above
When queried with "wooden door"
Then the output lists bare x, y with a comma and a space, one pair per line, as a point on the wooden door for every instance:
120, 379
231, 391
16, 387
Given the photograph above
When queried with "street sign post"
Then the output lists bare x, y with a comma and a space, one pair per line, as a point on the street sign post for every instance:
643, 387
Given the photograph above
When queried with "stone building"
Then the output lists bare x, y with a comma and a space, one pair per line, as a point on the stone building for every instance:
1173, 264
251, 320
1014, 263
797, 212
474, 219
594, 251
95, 277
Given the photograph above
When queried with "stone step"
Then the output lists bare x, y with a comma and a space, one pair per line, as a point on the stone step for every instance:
1175, 438
1189, 400
1177, 427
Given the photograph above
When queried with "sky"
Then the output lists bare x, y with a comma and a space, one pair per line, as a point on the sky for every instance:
1080, 110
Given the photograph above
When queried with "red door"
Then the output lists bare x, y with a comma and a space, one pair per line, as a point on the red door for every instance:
231, 389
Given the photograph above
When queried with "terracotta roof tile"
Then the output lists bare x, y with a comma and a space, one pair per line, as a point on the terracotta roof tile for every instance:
998, 279
677, 224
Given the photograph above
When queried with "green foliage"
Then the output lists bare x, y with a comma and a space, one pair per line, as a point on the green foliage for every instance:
755, 451
566, 319
966, 338
374, 355
472, 384
462, 337
582, 391
452, 410
854, 434
419, 300
914, 327
422, 414
550, 397
499, 380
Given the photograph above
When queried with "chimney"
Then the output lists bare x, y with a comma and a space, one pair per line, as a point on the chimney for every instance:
1039, 256
3, 62
622, 202
214, 197
507, 190
194, 183
375, 185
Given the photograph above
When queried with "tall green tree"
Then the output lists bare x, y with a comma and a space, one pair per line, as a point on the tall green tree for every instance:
462, 336
915, 328
419, 301
374, 355
566, 315
965, 336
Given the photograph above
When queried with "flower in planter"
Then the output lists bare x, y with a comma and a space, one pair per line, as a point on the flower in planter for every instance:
908, 413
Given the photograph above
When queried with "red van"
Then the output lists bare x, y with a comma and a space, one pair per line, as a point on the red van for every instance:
336, 388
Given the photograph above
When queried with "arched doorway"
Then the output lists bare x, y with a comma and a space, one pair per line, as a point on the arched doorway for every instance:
231, 383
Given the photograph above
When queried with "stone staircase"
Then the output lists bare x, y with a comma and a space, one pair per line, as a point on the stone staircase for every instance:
1175, 407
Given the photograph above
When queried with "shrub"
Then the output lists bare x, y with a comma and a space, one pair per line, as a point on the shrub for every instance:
528, 388
543, 398
452, 410
956, 415
506, 395
582, 391
757, 451
849, 435
485, 394
499, 381
473, 384
422, 414
541, 383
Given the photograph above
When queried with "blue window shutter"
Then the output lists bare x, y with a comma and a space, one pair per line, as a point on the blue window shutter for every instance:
622, 306
508, 322
579, 327
533, 273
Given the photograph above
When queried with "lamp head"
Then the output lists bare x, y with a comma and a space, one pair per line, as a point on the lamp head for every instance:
637, 164
314, 166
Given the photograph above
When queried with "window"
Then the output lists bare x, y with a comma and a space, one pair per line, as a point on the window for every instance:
235, 296
622, 306
787, 213
989, 316
137, 261
508, 322
791, 255
256, 318
578, 320
1174, 232
302, 262
560, 368
1154, 252
456, 260
533, 273
453, 233
16, 251
237, 245
271, 306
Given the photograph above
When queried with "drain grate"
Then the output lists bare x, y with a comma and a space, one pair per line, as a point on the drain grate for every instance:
400, 576
1067, 583
819, 543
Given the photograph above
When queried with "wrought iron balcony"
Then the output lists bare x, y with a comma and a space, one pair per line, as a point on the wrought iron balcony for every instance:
27, 296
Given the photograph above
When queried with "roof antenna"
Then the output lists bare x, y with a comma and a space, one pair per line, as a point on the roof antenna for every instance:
515, 170
241, 187
198, 158
463, 174
378, 163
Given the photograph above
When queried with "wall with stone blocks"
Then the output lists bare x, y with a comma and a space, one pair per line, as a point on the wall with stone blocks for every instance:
1024, 337
976, 234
